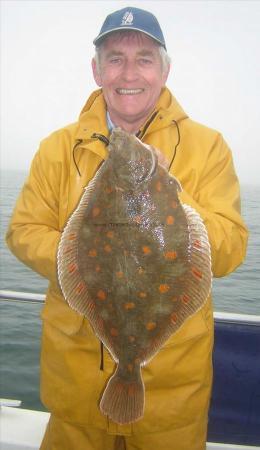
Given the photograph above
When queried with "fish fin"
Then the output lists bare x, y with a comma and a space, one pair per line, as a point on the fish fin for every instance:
72, 284
199, 283
197, 286
123, 401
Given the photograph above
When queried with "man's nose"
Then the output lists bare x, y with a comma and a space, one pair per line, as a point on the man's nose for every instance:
130, 71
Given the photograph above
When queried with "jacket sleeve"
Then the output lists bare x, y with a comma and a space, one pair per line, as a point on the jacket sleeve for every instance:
217, 200
33, 233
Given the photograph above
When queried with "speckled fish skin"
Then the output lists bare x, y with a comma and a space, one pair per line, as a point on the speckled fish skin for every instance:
136, 263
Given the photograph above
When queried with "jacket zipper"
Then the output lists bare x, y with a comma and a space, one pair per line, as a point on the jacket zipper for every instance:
140, 134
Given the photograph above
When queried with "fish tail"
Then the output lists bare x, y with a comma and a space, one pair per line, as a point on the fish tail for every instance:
123, 401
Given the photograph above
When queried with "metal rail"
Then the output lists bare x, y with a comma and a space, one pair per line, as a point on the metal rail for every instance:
247, 319
28, 297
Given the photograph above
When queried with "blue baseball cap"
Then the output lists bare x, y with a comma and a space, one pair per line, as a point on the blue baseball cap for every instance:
132, 19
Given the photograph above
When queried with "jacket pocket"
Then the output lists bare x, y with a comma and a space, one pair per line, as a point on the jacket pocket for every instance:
59, 314
197, 325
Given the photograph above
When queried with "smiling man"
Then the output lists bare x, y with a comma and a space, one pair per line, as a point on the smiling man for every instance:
130, 70
131, 66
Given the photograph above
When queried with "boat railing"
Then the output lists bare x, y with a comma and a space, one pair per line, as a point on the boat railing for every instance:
223, 316
27, 297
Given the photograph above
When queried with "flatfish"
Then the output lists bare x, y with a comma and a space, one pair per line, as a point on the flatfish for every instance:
134, 261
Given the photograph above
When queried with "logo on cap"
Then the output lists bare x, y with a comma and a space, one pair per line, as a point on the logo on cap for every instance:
127, 18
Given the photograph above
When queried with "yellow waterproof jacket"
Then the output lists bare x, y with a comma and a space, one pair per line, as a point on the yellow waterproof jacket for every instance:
178, 379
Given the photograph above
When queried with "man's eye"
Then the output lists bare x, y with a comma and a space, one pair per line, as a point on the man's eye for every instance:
115, 61
145, 61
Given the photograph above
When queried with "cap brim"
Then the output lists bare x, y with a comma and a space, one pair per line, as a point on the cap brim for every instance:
100, 37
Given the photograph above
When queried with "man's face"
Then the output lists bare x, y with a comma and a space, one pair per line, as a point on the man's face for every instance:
131, 76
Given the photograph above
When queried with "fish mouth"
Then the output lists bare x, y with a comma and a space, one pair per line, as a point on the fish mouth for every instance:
154, 163
153, 166
124, 91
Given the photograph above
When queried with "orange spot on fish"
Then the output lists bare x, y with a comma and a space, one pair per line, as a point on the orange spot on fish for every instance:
197, 273
108, 248
170, 255
142, 294
146, 250
129, 305
131, 339
100, 322
161, 171
114, 332
95, 211
92, 306
80, 288
72, 267
101, 295
164, 288
130, 367
92, 253
67, 250
197, 243
72, 236
185, 299
131, 389
158, 186
174, 318
170, 220
108, 190
119, 274
137, 219
97, 268
110, 234
150, 326
174, 204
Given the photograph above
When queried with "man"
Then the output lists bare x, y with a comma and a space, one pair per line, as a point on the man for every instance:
131, 67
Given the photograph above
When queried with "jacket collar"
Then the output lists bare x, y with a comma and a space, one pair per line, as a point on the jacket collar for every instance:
93, 120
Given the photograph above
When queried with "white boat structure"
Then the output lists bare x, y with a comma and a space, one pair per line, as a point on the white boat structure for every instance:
234, 419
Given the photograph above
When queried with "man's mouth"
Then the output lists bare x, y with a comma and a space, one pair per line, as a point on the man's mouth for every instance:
129, 91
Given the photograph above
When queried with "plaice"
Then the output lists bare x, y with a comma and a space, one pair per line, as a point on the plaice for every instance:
136, 263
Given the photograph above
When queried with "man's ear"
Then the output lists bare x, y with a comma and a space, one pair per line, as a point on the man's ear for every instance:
95, 71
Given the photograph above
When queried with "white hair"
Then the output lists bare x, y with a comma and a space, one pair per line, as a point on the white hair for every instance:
165, 58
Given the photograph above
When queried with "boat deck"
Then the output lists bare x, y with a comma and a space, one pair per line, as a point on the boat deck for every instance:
23, 429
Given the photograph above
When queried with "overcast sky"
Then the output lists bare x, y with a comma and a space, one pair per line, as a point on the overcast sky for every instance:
46, 51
